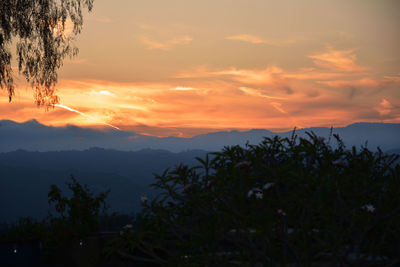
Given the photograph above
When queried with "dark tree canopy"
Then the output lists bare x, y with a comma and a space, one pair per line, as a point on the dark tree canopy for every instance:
38, 27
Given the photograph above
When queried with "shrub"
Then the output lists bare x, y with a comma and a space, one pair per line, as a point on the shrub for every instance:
78, 215
282, 201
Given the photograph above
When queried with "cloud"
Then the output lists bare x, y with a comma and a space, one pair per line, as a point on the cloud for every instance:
255, 92
248, 38
315, 74
278, 106
365, 82
255, 77
384, 107
102, 92
166, 45
338, 60
393, 79
181, 88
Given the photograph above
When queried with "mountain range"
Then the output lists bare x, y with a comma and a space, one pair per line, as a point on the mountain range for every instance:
33, 136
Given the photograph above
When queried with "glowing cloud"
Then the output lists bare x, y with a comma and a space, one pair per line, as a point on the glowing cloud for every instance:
278, 106
254, 92
87, 116
338, 60
167, 45
384, 107
248, 38
365, 82
265, 76
102, 92
181, 88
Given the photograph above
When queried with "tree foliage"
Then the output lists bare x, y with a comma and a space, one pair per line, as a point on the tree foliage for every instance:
38, 27
296, 201
78, 215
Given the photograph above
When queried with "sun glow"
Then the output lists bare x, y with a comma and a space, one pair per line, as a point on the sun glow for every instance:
87, 116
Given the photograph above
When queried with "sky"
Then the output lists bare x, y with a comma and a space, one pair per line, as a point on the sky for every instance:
187, 67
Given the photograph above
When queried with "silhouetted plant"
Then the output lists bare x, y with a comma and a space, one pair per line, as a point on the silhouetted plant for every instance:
283, 201
78, 215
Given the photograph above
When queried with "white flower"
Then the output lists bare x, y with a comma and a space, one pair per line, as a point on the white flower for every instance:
127, 227
259, 195
268, 186
257, 191
144, 199
368, 207
281, 212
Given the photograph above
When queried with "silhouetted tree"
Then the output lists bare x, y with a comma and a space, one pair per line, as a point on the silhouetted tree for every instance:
78, 215
39, 29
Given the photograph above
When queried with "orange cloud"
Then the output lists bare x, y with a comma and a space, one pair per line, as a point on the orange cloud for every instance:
384, 107
393, 79
166, 45
266, 76
338, 60
248, 38
258, 93
278, 106
365, 82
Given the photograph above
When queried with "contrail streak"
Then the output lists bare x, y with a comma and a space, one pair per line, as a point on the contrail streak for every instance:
87, 116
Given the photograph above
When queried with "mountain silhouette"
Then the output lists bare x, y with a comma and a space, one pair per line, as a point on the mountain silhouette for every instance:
33, 136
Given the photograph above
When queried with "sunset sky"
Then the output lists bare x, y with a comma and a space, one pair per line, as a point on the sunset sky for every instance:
185, 67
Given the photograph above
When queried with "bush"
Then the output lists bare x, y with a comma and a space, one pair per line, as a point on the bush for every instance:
283, 201
78, 215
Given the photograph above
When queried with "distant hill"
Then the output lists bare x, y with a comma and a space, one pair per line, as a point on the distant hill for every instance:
138, 166
25, 177
34, 136
23, 190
